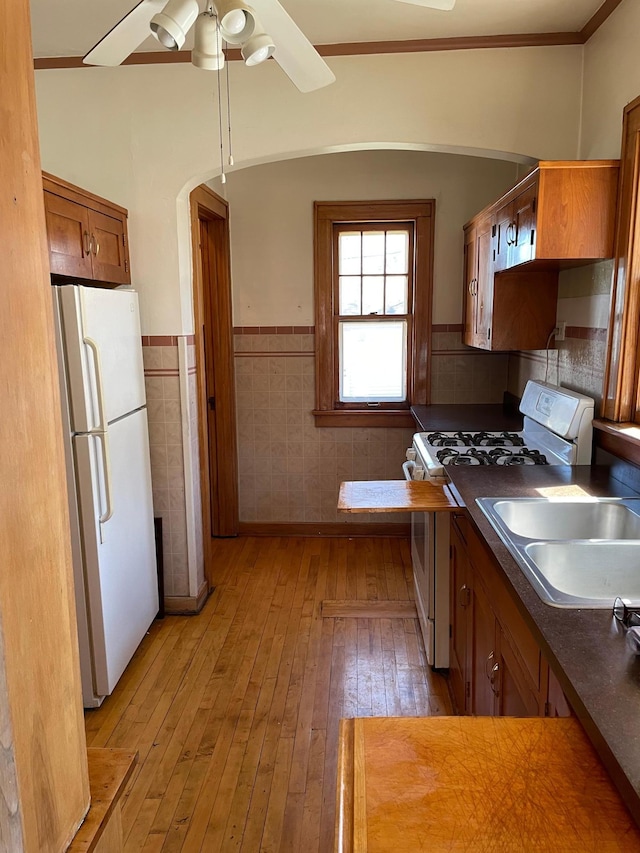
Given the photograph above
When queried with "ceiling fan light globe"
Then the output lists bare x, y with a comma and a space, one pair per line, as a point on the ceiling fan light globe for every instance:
171, 25
234, 22
207, 48
237, 20
258, 49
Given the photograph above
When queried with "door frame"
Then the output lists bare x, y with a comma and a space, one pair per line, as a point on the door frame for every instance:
219, 511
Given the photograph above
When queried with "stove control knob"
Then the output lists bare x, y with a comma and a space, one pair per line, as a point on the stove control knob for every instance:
411, 454
418, 473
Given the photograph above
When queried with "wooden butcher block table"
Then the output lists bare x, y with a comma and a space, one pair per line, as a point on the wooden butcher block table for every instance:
475, 784
395, 496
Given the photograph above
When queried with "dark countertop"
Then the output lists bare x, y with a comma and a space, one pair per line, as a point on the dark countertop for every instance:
474, 416
586, 650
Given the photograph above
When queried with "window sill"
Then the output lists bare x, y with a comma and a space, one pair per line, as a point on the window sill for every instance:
364, 418
621, 439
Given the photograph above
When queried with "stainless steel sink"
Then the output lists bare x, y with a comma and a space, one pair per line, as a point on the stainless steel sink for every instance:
578, 552
586, 574
543, 518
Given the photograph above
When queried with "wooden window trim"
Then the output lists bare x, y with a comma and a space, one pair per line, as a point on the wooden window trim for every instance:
326, 215
621, 392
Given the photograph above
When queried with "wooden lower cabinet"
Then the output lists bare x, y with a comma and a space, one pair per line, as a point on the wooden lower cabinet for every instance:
496, 665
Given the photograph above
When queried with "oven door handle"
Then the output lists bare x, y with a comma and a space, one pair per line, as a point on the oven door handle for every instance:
408, 467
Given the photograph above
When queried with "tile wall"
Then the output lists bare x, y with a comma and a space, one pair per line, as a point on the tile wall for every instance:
169, 367
289, 470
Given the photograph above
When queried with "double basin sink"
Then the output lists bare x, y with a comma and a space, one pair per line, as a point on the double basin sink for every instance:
578, 552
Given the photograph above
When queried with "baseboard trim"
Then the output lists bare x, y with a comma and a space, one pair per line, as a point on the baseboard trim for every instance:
185, 605
334, 528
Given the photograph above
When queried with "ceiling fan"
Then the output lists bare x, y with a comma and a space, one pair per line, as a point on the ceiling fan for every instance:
261, 30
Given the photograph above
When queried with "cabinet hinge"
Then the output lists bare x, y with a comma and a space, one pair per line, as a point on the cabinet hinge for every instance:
533, 236
493, 230
488, 334
126, 265
547, 709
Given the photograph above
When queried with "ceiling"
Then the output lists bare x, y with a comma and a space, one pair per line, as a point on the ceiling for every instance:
72, 27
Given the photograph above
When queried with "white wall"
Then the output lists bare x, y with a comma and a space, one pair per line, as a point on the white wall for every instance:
144, 136
272, 222
611, 80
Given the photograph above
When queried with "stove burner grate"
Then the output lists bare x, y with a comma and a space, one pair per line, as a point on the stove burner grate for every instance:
448, 439
498, 439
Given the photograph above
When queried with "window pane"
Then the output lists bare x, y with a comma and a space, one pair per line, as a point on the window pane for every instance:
349, 253
397, 252
350, 294
373, 294
373, 361
396, 295
373, 252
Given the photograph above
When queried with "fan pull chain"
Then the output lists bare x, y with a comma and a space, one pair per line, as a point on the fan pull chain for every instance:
223, 177
230, 161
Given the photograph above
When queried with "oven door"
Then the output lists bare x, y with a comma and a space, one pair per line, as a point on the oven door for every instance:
430, 562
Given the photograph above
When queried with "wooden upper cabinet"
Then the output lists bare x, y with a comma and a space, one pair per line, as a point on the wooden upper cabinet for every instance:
87, 234
560, 215
562, 211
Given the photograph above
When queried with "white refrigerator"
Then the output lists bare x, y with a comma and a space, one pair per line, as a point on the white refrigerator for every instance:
109, 479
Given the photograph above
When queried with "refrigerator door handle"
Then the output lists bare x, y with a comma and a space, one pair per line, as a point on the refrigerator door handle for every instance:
103, 438
93, 346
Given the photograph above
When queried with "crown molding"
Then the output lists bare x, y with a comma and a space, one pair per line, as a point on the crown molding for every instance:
372, 48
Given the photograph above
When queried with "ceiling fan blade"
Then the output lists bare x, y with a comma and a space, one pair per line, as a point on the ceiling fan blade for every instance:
294, 53
444, 5
125, 36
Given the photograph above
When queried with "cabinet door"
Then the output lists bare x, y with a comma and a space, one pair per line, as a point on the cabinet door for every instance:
485, 656
484, 286
516, 694
470, 286
68, 235
557, 705
109, 249
522, 248
460, 624
502, 236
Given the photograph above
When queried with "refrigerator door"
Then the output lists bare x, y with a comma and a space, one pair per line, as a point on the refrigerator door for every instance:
119, 554
103, 349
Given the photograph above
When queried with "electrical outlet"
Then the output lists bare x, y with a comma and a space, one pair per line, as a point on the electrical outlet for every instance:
559, 330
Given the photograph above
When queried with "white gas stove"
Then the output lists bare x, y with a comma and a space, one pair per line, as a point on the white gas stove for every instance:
557, 430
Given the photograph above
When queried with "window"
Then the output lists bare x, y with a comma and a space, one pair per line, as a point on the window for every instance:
373, 273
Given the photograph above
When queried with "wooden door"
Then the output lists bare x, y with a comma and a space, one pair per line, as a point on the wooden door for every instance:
522, 248
109, 248
470, 286
460, 624
214, 367
484, 288
485, 654
69, 237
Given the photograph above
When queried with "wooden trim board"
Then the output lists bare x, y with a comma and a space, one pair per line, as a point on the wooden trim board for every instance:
179, 605
321, 528
368, 609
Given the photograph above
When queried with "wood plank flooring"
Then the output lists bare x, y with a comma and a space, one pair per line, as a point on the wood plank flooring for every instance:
235, 711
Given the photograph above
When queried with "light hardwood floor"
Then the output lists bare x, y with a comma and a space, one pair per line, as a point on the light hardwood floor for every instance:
235, 711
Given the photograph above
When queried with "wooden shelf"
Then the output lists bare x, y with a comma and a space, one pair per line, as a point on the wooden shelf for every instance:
109, 773
395, 496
